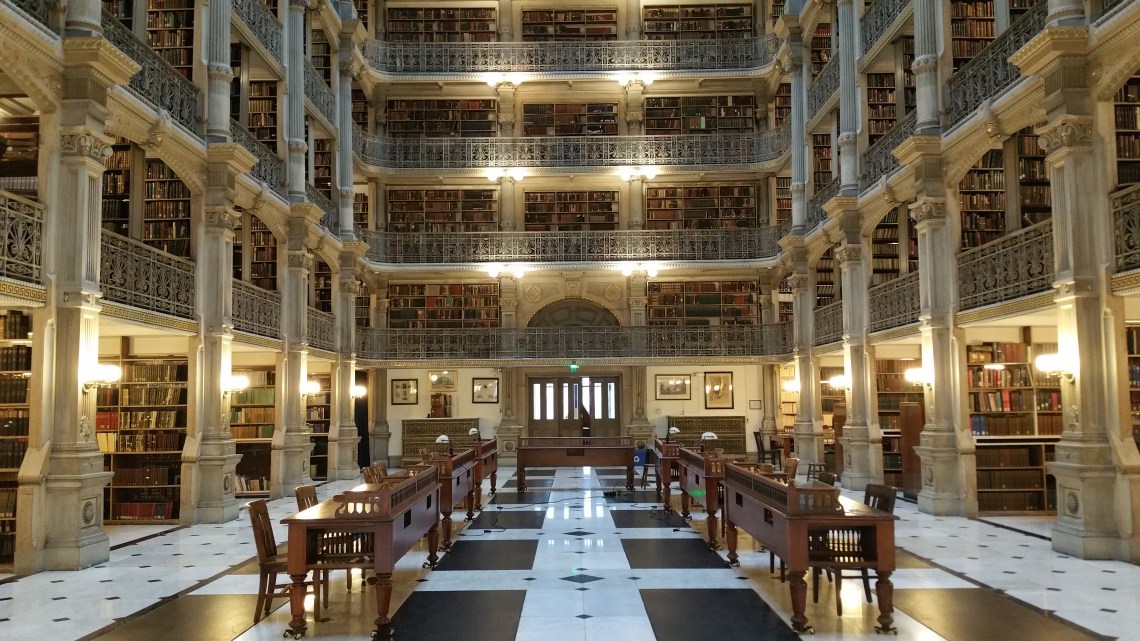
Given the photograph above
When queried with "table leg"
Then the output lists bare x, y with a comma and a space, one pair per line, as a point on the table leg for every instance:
521, 479
297, 593
730, 541
798, 588
629, 477
885, 590
383, 603
478, 489
657, 473
667, 496
711, 521
712, 504
471, 505
684, 503
446, 518
494, 478
433, 545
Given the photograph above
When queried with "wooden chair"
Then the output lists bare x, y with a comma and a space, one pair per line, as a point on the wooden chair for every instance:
766, 454
814, 470
880, 497
375, 473
307, 498
271, 563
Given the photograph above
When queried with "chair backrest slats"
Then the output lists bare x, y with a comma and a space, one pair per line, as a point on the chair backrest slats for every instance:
262, 530
306, 497
880, 497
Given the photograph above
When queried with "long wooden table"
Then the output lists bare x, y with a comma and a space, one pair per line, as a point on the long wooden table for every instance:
370, 526
574, 451
486, 464
700, 477
811, 526
457, 478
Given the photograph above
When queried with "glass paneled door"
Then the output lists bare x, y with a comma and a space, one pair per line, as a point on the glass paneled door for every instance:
558, 405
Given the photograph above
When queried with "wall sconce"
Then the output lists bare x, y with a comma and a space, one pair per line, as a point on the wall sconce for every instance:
841, 381
644, 77
310, 387
497, 173
358, 391
236, 383
517, 270
103, 374
918, 376
647, 172
496, 79
1054, 365
650, 269
791, 385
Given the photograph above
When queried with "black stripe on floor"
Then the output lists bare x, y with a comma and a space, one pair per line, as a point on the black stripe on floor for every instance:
723, 615
459, 616
984, 615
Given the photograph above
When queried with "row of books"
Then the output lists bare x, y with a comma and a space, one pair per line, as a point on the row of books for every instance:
241, 415
1014, 425
251, 431
251, 484
7, 503
1006, 400
153, 476
14, 422
112, 442
1007, 501
1005, 457
12, 453
16, 358
14, 389
15, 326
255, 396
134, 511
109, 421
1010, 479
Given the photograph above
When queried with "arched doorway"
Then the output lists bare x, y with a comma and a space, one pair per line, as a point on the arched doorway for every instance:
559, 405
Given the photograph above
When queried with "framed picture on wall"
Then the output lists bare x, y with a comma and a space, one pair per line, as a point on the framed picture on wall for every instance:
673, 387
442, 380
484, 390
718, 390
405, 391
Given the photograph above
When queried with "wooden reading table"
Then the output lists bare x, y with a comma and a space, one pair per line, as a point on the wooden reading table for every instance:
370, 526
574, 451
666, 468
486, 464
700, 476
457, 479
808, 526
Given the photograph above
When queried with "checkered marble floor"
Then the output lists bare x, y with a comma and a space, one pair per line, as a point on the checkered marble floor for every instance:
570, 559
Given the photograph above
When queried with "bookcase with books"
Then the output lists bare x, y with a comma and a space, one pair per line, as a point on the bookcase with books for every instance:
829, 396
783, 195
777, 11
117, 188
881, 105
253, 419
453, 24
1126, 113
443, 210
442, 118
1132, 340
361, 213
821, 160
19, 164
443, 306
363, 313
318, 417
826, 279
166, 210
784, 296
322, 286
262, 112
593, 210
321, 55
981, 197
1018, 7
893, 390
15, 419
170, 33
704, 207
1034, 197
570, 119
359, 107
699, 114
262, 255
789, 399
572, 24
363, 11
703, 303
323, 165
819, 49
972, 28
905, 47
782, 104
697, 22
141, 428
239, 244
886, 259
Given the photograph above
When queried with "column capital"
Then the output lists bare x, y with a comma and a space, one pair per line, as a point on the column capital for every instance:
799, 281
928, 210
300, 260
87, 145
1066, 132
221, 218
849, 253
350, 286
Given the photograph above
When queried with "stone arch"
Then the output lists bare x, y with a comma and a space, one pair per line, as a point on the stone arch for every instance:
574, 312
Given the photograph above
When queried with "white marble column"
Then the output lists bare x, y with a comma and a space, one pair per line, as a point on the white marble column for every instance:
294, 46
848, 101
862, 450
219, 72
635, 108
505, 93
343, 435
636, 202
291, 447
639, 428
798, 135
808, 427
344, 161
508, 213
928, 102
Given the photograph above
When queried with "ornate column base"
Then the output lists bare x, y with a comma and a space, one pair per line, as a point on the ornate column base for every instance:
74, 536
640, 430
378, 444
508, 436
862, 459
809, 442
1086, 502
291, 456
344, 449
216, 468
943, 482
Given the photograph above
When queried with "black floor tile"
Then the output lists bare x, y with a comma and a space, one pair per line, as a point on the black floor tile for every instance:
489, 555
639, 497
647, 518
193, 618
531, 482
468, 615
670, 554
982, 615
541, 471
520, 498
724, 615
610, 471
508, 519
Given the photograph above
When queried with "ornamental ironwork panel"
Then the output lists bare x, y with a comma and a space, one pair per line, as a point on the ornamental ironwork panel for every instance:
21, 232
823, 87
320, 329
331, 219
894, 303
816, 214
878, 18
41, 11
690, 150
878, 160
262, 23
256, 310
270, 169
317, 91
136, 274
571, 57
1008, 268
1108, 7
157, 83
573, 246
990, 72
829, 323
1126, 222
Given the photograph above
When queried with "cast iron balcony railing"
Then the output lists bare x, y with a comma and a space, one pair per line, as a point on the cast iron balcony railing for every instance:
321, 329
878, 18
894, 303
823, 87
21, 238
816, 213
829, 323
745, 151
571, 57
331, 219
609, 343
157, 83
1126, 222
687, 245
879, 159
40, 11
319, 93
256, 310
270, 169
262, 23
140, 276
990, 73
1013, 266
1108, 7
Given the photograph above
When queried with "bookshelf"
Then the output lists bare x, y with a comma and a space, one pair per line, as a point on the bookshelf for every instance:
593, 210
573, 24
830, 397
789, 401
784, 297
322, 286
361, 213
141, 427
981, 198
239, 67
703, 303
443, 306
117, 188
363, 11
1018, 7
262, 112
704, 207
323, 165
697, 22
321, 55
121, 9
1132, 340
19, 164
253, 419
570, 119
699, 114
821, 160
782, 104
422, 24
170, 33
442, 118
166, 210
1126, 112
318, 416
886, 259
239, 245
893, 390
881, 105
777, 11
363, 313
15, 419
1012, 478
783, 193
905, 46
911, 239
262, 255
441, 405
972, 27
360, 108
1032, 179
443, 210
826, 279
819, 51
